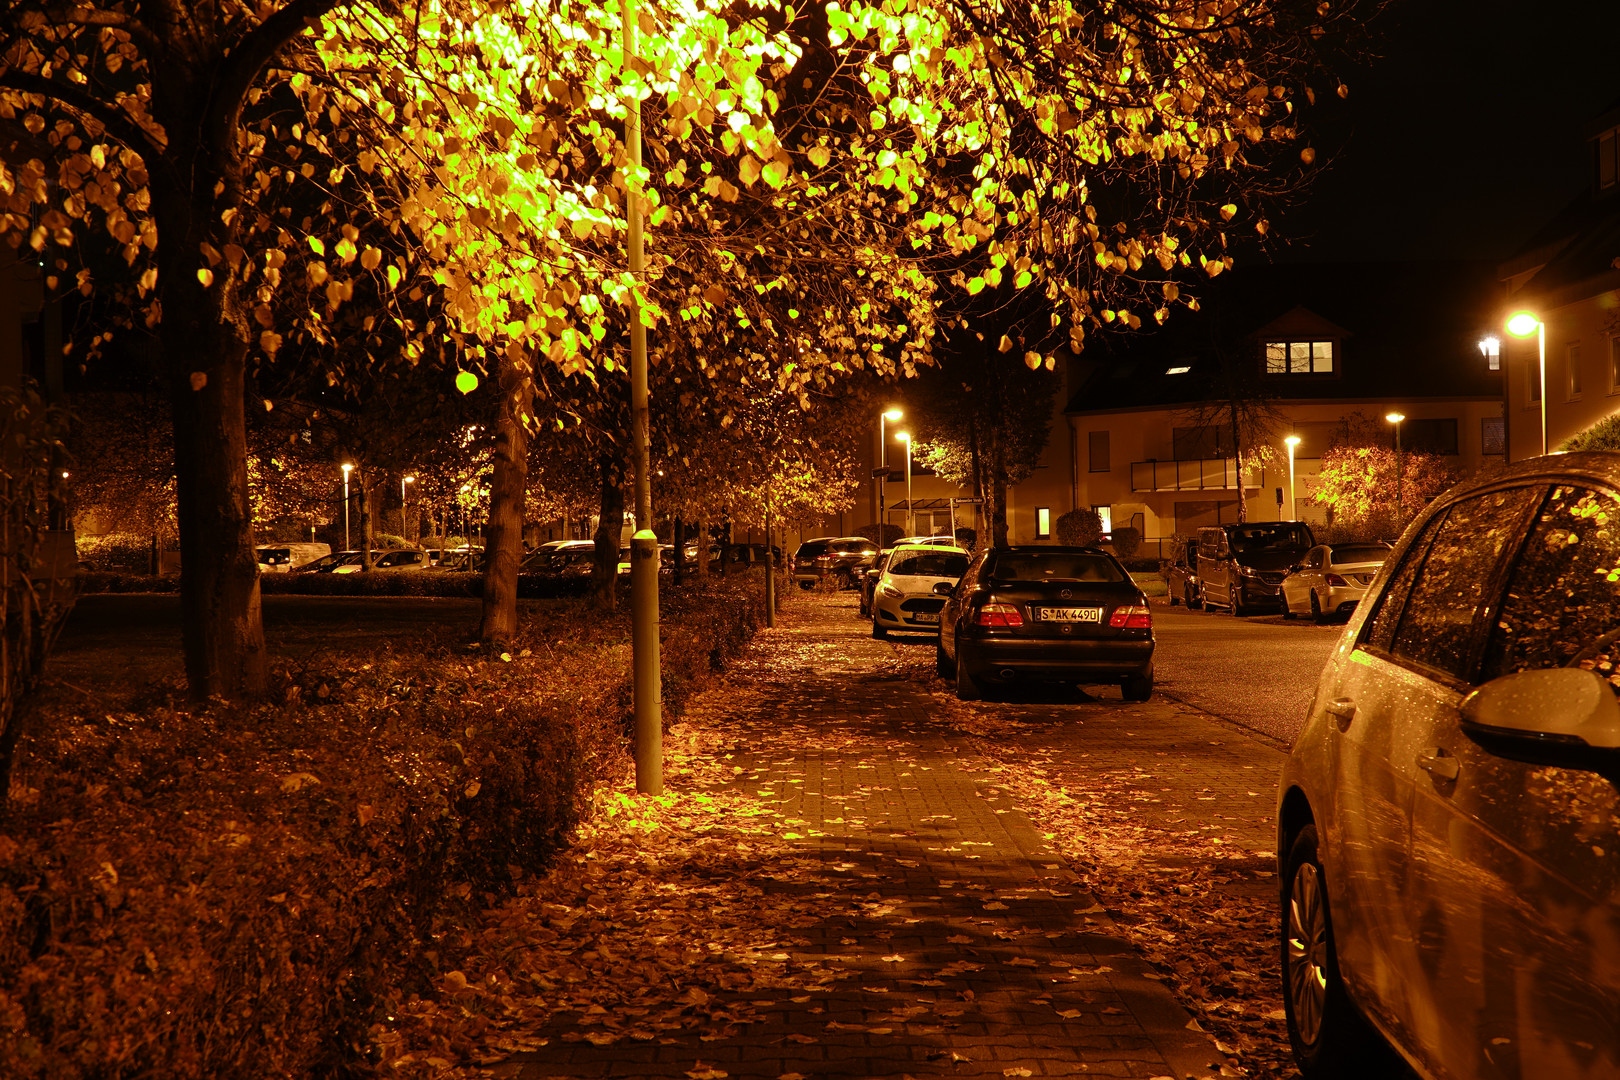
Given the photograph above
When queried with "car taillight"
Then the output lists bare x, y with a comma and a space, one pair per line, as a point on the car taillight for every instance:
1132, 617
998, 615
1336, 582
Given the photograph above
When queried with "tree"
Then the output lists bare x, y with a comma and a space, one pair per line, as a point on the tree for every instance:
1357, 480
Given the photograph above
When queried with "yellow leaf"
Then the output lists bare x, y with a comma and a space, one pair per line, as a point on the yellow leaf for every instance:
466, 382
1005, 344
748, 169
393, 277
1307, 155
1227, 211
199, 379
205, 275
776, 174
819, 156
1032, 360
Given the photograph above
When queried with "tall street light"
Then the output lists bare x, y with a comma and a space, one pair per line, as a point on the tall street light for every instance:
1523, 324
346, 469
883, 463
1292, 441
911, 528
404, 522
1396, 418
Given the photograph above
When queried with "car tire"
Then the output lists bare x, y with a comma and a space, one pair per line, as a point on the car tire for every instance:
1139, 688
845, 581
1174, 599
1194, 599
1316, 609
1330, 1038
877, 630
942, 660
967, 687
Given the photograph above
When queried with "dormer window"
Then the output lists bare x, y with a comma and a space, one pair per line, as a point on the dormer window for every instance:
1299, 358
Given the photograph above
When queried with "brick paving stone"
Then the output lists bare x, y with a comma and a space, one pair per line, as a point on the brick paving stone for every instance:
965, 952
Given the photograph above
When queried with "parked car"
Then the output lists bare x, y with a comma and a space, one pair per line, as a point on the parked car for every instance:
839, 558
557, 556
1047, 614
867, 581
1447, 827
1242, 566
285, 558
1331, 579
385, 559
1181, 578
327, 563
904, 598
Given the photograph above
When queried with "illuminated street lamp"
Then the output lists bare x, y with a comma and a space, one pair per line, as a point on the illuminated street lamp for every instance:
883, 463
1523, 324
1292, 441
404, 521
905, 437
1396, 418
346, 469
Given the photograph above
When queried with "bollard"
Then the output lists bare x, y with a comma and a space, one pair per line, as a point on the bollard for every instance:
648, 682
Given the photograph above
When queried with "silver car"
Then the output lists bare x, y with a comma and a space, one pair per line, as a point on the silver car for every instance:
1449, 825
1331, 579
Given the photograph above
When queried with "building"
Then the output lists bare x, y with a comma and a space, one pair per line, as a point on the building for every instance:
1567, 276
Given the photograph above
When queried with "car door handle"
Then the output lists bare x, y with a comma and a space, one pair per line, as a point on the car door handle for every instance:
1342, 709
1438, 764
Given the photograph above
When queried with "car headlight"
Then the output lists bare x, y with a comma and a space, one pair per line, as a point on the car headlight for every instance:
1246, 571
890, 591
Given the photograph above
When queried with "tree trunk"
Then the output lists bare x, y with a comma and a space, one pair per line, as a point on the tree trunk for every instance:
367, 543
506, 492
998, 491
680, 550
222, 630
1237, 459
609, 527
701, 530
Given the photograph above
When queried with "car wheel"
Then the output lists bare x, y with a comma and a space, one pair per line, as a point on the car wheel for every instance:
1174, 599
1139, 688
1194, 599
1330, 1038
845, 581
967, 687
878, 631
942, 660
1316, 608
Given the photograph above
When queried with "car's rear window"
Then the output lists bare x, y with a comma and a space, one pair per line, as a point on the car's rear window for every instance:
1055, 566
811, 548
853, 545
1274, 537
1368, 553
929, 564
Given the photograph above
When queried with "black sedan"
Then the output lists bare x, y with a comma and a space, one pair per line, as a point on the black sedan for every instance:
1046, 614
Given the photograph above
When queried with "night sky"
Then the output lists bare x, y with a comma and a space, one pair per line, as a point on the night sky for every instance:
1465, 135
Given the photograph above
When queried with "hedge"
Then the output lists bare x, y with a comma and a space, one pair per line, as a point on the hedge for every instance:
222, 890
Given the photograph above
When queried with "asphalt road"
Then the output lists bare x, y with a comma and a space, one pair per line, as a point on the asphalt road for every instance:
1259, 672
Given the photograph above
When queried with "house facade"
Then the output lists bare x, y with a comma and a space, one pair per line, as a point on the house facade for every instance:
1567, 277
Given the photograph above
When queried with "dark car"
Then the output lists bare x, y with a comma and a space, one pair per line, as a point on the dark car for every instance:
1181, 577
1241, 567
1046, 614
841, 559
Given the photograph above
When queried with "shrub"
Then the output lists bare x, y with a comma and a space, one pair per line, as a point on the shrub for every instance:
1127, 541
212, 890
966, 537
882, 535
1603, 435
1079, 528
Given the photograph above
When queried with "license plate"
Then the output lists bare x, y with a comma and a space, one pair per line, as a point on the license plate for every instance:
926, 616
1068, 614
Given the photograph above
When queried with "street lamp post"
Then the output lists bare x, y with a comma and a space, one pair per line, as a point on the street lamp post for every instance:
1523, 324
883, 463
346, 470
404, 522
1292, 441
911, 524
1396, 418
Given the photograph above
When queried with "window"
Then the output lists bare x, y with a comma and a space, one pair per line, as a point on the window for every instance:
1437, 621
1572, 370
1179, 369
1299, 358
1563, 592
1436, 436
1055, 566
1614, 363
1097, 443
1493, 435
1043, 521
1106, 513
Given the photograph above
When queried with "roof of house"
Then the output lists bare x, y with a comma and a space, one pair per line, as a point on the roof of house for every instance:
1401, 330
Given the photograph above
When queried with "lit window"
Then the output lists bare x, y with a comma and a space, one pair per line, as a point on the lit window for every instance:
1299, 358
1043, 521
1177, 370
1614, 363
1572, 370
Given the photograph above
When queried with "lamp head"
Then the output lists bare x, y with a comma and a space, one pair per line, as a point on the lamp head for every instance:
1523, 324
409, 480
346, 467
1292, 441
1394, 417
903, 436
893, 414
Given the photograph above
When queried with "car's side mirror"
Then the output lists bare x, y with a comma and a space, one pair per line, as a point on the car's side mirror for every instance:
1567, 717
944, 588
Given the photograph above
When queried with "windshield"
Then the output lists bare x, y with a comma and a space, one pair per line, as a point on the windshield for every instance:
1055, 566
949, 564
1273, 537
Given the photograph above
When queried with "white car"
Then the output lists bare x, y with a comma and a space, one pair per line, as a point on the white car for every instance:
1449, 825
905, 598
1331, 579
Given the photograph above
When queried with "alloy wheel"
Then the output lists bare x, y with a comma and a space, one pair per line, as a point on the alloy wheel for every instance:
1307, 951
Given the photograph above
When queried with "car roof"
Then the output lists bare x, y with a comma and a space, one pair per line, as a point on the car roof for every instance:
926, 547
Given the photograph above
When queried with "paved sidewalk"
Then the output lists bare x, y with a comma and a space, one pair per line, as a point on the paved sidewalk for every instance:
956, 942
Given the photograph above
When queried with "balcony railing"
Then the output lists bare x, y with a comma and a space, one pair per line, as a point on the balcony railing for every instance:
1200, 474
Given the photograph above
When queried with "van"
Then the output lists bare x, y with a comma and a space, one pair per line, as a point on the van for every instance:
285, 558
1242, 566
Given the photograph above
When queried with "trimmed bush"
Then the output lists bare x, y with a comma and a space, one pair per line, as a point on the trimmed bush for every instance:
966, 537
198, 891
1127, 541
1079, 528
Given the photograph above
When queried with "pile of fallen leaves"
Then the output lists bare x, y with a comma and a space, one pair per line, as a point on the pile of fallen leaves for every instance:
198, 890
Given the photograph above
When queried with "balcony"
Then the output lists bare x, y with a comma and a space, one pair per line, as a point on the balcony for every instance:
1200, 474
